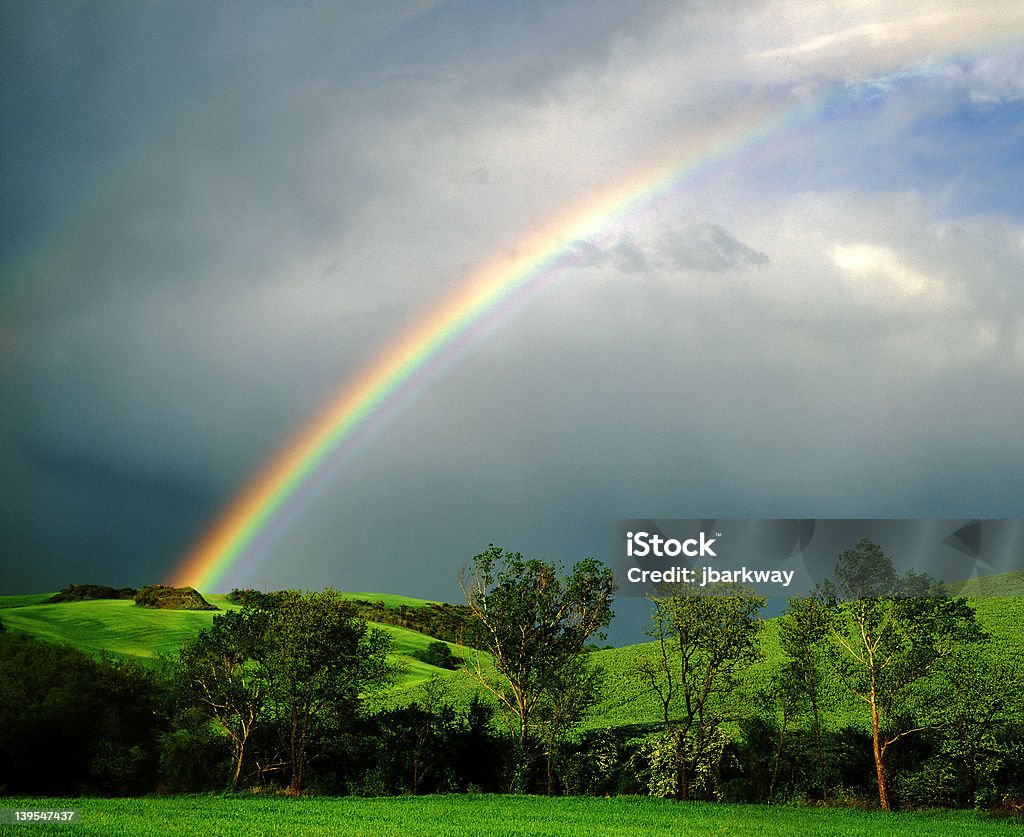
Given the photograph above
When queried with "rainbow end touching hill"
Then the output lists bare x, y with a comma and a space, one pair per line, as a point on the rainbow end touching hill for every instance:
274, 499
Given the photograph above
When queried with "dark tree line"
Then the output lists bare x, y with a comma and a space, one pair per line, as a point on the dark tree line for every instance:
71, 724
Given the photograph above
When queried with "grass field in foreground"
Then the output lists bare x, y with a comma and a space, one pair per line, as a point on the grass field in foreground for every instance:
491, 815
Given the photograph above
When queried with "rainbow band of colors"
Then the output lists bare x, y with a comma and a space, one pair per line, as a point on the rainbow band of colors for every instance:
272, 502
269, 504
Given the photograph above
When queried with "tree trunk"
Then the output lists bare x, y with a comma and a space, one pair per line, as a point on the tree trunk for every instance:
682, 772
778, 760
971, 779
296, 781
238, 764
883, 791
817, 745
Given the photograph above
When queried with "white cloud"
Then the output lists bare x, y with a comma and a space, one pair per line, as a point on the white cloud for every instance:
880, 275
848, 41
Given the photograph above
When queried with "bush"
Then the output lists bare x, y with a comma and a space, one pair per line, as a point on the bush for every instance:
438, 654
193, 756
172, 598
89, 592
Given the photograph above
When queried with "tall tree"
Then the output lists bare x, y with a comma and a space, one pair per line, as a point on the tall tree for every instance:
534, 623
705, 640
888, 632
224, 673
803, 634
322, 659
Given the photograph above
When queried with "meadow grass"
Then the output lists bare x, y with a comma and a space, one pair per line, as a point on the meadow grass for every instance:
23, 601
501, 816
116, 626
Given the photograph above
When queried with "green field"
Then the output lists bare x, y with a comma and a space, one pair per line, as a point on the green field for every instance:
473, 814
390, 600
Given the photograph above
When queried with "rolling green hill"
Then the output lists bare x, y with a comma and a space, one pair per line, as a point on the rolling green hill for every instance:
119, 627
998, 601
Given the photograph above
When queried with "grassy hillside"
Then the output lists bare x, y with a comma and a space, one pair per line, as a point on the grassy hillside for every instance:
998, 601
391, 601
23, 601
119, 627
116, 626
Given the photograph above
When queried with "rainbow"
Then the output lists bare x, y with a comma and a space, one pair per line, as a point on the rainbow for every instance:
275, 497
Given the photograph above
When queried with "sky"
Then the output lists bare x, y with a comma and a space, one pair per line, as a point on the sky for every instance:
216, 217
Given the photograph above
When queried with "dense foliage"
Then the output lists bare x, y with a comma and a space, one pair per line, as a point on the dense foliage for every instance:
89, 592
70, 723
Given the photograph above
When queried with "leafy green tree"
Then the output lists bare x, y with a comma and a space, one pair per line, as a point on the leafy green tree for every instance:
224, 671
888, 633
778, 701
978, 704
803, 635
321, 659
705, 640
534, 623
572, 692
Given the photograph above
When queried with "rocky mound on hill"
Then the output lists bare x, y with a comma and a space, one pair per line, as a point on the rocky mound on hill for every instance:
172, 598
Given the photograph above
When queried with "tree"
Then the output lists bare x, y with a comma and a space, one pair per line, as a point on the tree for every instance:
322, 659
571, 693
803, 632
705, 640
534, 623
73, 724
302, 661
979, 700
888, 633
224, 672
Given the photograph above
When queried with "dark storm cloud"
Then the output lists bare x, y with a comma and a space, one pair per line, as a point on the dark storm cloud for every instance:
708, 247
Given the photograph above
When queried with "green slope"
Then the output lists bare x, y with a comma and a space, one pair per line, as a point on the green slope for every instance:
116, 626
119, 627
391, 601
998, 601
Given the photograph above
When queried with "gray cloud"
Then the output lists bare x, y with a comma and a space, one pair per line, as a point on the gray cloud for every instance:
708, 247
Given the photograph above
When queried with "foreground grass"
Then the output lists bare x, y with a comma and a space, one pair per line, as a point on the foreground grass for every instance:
484, 814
